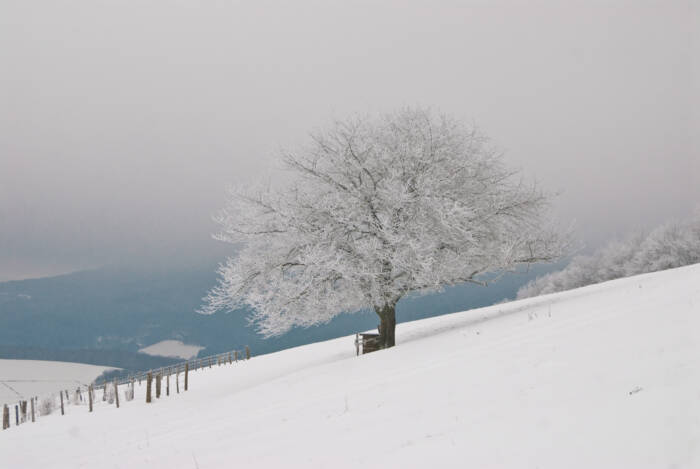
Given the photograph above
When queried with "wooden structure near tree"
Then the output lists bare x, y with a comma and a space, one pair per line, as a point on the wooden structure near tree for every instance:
366, 343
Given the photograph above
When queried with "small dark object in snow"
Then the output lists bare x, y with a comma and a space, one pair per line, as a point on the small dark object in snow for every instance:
635, 390
477, 333
368, 342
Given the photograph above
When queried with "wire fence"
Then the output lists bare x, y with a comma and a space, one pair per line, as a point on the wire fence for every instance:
30, 409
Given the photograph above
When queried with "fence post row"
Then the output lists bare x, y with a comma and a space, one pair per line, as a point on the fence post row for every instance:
21, 407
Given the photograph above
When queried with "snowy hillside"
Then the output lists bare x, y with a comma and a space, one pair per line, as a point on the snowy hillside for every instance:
607, 376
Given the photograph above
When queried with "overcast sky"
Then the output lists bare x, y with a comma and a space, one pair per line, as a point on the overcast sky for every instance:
122, 122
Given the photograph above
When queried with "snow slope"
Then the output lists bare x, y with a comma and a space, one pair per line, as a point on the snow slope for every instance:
606, 376
21, 379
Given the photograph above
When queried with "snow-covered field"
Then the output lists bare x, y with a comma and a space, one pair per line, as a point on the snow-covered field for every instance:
21, 379
607, 376
172, 348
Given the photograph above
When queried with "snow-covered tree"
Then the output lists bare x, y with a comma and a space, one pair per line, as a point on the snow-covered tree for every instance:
670, 245
378, 208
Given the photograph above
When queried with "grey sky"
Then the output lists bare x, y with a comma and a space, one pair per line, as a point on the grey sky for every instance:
121, 122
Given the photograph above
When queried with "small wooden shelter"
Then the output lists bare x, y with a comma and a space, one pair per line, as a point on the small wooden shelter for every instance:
366, 343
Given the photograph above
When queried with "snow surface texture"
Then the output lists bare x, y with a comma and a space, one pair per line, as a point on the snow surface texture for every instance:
22, 379
606, 376
172, 348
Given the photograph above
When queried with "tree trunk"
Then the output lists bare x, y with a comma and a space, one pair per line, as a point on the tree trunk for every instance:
387, 326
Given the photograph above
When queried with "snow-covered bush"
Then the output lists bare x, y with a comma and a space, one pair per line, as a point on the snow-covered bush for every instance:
129, 392
77, 397
47, 405
110, 393
670, 245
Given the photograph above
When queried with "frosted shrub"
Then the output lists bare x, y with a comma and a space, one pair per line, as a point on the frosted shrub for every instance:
76, 397
668, 246
129, 392
47, 405
110, 394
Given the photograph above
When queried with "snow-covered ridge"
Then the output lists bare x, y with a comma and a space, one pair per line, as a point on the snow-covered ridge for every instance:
606, 376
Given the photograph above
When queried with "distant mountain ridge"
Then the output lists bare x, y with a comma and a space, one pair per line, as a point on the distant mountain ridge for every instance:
113, 309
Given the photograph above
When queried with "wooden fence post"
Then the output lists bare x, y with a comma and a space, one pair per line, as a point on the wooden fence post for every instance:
187, 369
167, 384
116, 392
149, 378
62, 411
158, 386
90, 396
5, 417
32, 403
177, 382
247, 353
16, 415
235, 355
